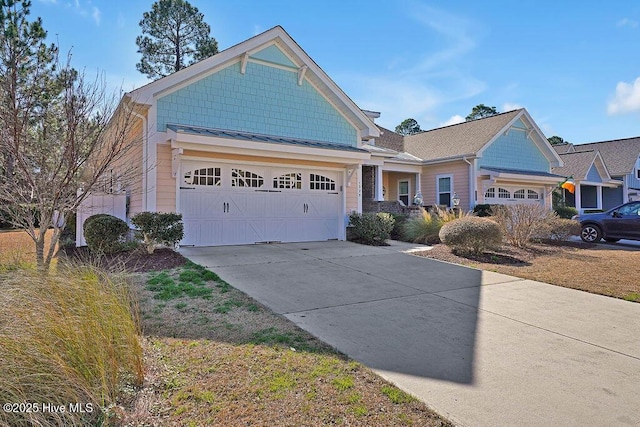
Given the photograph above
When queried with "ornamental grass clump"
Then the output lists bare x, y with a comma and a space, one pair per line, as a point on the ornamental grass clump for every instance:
471, 234
70, 340
425, 228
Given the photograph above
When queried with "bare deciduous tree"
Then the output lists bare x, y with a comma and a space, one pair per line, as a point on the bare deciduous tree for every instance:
61, 136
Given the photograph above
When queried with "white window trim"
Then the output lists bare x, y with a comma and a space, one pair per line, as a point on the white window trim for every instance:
408, 190
451, 189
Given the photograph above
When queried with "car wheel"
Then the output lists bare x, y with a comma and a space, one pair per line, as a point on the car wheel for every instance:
610, 240
590, 233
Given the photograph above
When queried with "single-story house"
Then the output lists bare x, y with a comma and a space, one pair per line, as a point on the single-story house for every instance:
621, 158
502, 159
258, 144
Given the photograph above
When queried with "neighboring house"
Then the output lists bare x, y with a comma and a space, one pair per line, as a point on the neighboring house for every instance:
622, 160
595, 189
503, 159
254, 144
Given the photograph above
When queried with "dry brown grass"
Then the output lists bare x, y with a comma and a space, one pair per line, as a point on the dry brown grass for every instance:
610, 270
17, 248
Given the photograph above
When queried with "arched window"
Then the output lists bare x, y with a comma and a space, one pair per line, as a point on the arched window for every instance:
291, 180
491, 193
204, 176
243, 178
503, 193
320, 182
519, 194
533, 195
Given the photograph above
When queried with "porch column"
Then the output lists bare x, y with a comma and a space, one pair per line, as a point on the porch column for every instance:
418, 182
577, 197
379, 197
599, 196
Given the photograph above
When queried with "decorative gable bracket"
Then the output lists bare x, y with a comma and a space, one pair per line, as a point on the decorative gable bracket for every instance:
175, 161
351, 169
243, 63
301, 72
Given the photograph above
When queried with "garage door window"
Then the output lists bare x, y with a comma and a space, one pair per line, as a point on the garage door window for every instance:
289, 181
533, 195
503, 193
320, 182
244, 178
491, 193
519, 194
204, 176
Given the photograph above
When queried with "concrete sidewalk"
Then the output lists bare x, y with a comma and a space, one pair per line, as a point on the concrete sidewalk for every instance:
480, 348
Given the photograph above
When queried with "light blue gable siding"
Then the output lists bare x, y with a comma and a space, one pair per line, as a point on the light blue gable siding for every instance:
514, 151
593, 174
264, 100
275, 55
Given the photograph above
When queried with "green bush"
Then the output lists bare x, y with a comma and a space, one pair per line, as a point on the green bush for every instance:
68, 337
471, 234
105, 233
371, 228
157, 228
566, 211
398, 224
482, 210
422, 229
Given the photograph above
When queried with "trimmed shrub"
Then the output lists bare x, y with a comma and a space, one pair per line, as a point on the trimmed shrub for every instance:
157, 228
422, 229
105, 233
371, 228
523, 222
471, 234
566, 211
561, 229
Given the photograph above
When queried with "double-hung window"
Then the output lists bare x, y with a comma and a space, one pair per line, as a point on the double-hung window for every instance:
444, 189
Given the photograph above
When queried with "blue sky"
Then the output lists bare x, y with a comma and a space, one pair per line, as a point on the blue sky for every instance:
575, 69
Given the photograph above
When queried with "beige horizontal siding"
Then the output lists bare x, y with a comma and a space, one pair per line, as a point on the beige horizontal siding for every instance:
459, 170
166, 184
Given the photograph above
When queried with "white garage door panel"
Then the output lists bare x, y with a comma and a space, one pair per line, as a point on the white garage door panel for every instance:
246, 204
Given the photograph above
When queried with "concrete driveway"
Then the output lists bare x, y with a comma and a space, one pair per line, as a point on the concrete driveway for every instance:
481, 348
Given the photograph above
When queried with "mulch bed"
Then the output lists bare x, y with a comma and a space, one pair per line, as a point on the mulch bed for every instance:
134, 261
506, 255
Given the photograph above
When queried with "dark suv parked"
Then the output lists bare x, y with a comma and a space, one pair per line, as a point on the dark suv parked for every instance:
622, 222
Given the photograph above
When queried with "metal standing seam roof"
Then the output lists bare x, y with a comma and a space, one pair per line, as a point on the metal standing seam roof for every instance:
457, 140
270, 139
523, 172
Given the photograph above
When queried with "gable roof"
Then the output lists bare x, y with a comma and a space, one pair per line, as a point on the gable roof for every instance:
578, 164
469, 139
307, 69
620, 155
565, 147
390, 139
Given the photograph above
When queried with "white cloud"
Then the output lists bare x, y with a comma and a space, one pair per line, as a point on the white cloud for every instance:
626, 22
626, 99
453, 120
95, 13
510, 106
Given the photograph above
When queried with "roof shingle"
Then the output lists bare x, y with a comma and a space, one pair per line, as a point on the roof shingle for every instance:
619, 155
457, 140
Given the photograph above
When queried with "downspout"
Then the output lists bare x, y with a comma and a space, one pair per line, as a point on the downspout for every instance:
145, 165
472, 183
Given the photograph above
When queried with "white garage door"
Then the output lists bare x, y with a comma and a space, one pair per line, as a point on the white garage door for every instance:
226, 204
506, 195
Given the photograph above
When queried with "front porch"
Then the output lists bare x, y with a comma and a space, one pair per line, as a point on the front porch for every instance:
593, 196
390, 187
